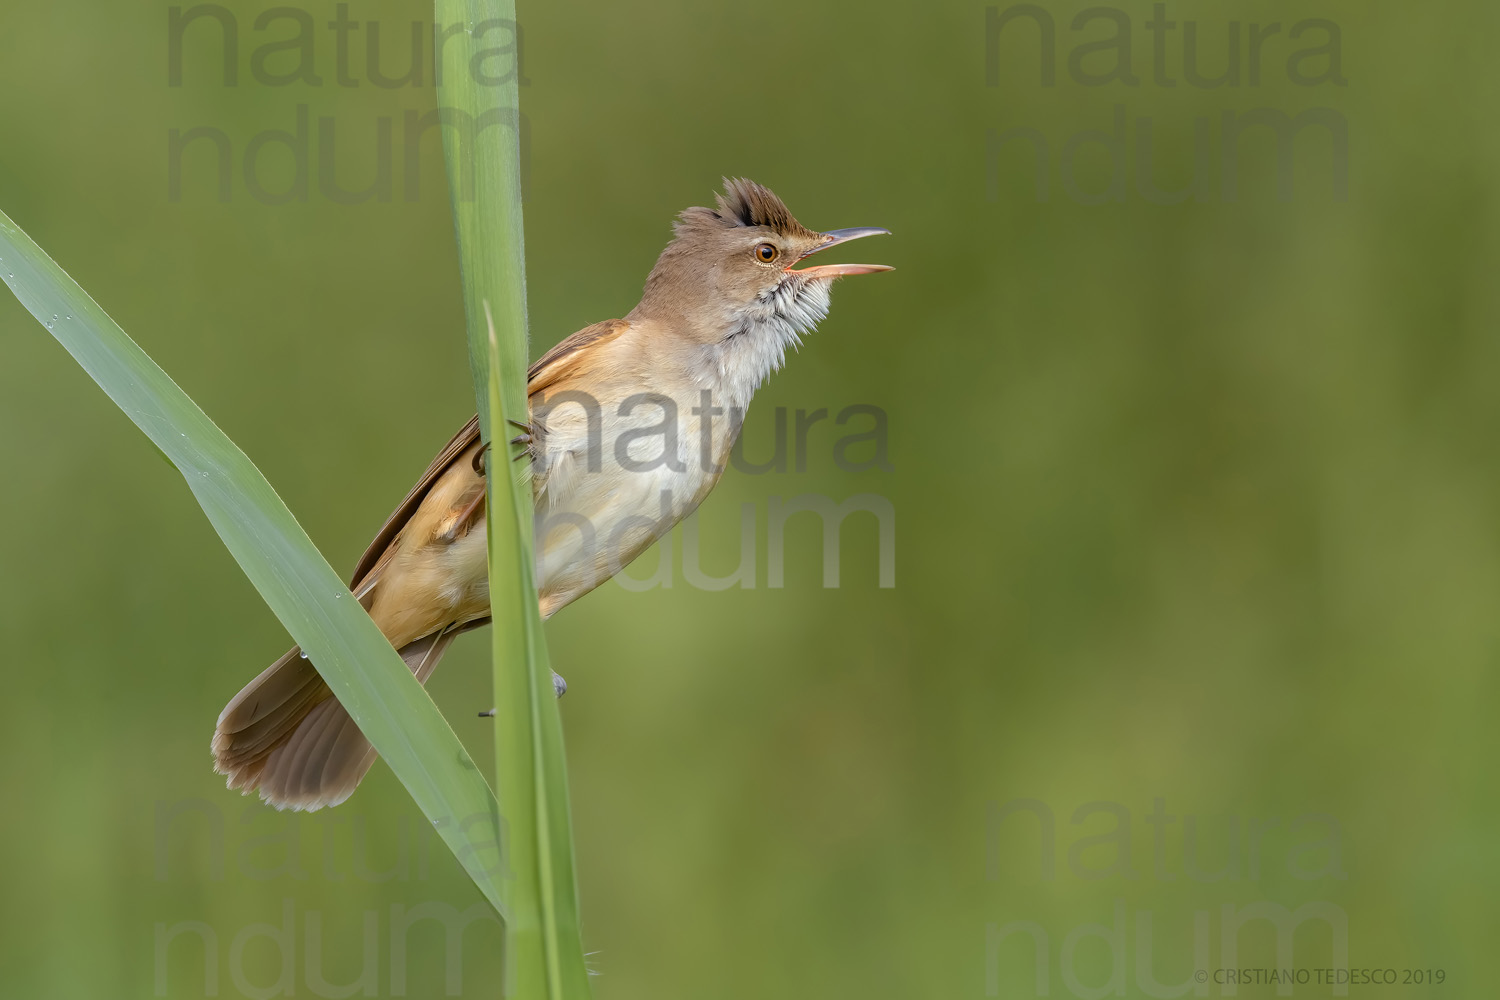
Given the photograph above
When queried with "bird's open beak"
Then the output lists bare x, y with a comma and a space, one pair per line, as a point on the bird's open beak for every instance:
833, 238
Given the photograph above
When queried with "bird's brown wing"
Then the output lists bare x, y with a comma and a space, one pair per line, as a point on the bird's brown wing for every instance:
284, 733
563, 360
381, 548
557, 363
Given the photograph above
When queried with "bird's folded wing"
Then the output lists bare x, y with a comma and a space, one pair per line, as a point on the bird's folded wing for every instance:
403, 512
556, 365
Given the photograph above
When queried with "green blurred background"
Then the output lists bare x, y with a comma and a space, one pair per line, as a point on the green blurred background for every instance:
1193, 502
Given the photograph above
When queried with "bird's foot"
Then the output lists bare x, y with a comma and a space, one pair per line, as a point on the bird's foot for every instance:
526, 440
559, 688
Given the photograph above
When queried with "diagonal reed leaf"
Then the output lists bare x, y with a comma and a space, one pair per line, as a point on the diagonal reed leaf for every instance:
530, 877
316, 607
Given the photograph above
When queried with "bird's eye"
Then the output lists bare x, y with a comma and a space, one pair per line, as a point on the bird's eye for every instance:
766, 253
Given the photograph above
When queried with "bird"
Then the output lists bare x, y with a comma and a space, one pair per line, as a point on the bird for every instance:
630, 425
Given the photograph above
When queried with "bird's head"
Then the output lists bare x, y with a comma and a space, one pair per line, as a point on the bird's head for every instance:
737, 265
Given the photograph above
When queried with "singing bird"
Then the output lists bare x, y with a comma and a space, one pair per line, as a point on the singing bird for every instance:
631, 424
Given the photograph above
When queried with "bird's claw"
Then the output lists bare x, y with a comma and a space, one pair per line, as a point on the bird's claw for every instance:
559, 688
526, 440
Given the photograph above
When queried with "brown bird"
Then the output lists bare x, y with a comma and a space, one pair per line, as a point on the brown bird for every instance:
632, 421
